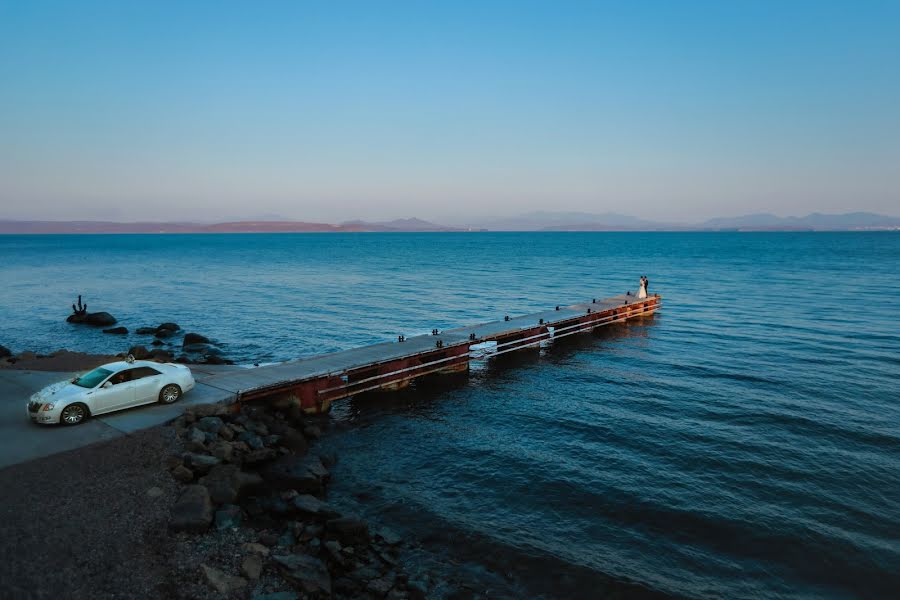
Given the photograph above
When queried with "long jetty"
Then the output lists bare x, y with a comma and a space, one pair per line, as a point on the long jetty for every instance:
318, 381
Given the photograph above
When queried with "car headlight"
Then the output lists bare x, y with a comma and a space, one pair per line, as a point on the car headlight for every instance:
47, 407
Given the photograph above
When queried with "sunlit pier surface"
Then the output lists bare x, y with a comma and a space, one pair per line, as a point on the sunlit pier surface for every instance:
318, 381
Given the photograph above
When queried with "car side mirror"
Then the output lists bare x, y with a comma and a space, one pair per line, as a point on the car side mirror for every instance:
106, 384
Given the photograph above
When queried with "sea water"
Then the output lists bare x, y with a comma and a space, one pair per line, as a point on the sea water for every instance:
742, 443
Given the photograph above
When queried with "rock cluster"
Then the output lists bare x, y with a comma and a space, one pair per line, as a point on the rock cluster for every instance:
251, 470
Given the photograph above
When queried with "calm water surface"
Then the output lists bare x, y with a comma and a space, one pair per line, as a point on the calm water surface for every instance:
743, 443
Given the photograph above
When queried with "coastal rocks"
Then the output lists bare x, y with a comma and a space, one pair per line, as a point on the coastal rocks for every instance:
227, 483
303, 474
145, 330
117, 330
252, 566
221, 582
139, 352
195, 338
97, 319
228, 517
193, 512
309, 573
5, 352
348, 529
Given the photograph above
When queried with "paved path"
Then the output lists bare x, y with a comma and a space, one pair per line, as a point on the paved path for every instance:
21, 440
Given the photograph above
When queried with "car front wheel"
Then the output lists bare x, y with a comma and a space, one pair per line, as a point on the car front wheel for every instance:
73, 414
169, 394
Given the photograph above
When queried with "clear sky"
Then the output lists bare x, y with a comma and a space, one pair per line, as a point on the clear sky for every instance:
336, 110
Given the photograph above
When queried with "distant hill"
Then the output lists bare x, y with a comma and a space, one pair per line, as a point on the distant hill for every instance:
536, 221
412, 224
811, 222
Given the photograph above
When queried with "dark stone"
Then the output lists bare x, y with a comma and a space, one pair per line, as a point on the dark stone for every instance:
116, 330
211, 424
168, 327
348, 529
163, 333
183, 474
185, 360
228, 517
304, 474
227, 483
193, 511
287, 540
308, 573
139, 352
145, 330
5, 352
295, 442
161, 355
310, 505
97, 319
251, 439
258, 456
157, 343
195, 338
201, 463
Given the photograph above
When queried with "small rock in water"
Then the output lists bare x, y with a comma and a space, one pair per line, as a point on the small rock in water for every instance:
116, 330
195, 338
145, 330
5, 352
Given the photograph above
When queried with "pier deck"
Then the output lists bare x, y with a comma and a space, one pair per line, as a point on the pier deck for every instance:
317, 381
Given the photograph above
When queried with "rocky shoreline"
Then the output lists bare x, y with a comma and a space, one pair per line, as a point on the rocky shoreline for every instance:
251, 475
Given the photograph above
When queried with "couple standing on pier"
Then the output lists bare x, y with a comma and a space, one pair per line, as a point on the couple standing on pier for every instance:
642, 292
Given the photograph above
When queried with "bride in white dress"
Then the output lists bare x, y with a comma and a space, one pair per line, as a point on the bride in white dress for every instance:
642, 292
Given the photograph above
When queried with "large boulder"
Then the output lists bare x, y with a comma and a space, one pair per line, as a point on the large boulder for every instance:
227, 483
308, 573
139, 352
195, 338
97, 319
193, 512
5, 352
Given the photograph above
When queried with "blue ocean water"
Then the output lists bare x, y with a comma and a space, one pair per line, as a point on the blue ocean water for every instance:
743, 443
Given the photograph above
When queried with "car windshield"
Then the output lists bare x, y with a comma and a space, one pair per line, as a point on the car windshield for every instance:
90, 380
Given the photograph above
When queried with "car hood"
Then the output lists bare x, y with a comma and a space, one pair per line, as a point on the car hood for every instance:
57, 392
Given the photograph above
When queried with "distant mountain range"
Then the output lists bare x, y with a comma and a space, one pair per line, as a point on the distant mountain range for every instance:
536, 221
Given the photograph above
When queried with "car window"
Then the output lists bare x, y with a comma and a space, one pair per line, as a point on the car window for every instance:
93, 378
140, 372
122, 377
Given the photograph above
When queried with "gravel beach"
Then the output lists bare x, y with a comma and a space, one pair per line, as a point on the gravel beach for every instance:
92, 523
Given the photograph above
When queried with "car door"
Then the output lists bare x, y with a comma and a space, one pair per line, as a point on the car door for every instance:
119, 394
147, 383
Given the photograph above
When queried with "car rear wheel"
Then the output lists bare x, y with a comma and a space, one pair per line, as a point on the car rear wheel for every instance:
73, 414
169, 394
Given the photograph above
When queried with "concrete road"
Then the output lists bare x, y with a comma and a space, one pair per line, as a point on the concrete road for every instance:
21, 440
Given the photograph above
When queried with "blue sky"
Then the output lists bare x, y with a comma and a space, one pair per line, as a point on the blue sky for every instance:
338, 110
